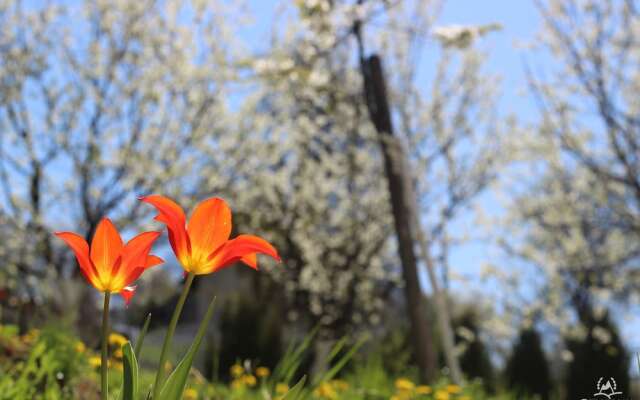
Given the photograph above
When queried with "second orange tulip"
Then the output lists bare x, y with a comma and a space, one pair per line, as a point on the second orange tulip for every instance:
202, 246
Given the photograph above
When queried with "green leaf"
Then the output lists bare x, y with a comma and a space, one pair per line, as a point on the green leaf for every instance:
130, 378
293, 357
296, 391
337, 348
142, 334
342, 361
174, 386
138, 347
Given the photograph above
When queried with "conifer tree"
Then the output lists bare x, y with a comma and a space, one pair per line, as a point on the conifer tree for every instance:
600, 354
527, 370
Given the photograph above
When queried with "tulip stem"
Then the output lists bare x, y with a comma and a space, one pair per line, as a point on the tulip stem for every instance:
105, 340
169, 336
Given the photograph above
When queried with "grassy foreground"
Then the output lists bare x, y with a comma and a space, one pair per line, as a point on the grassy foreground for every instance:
51, 364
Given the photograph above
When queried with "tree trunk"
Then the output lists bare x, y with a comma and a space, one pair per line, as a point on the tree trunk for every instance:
399, 190
443, 316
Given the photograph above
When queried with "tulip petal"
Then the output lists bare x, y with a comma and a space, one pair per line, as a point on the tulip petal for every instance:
135, 253
105, 248
171, 214
81, 251
133, 275
241, 249
251, 260
168, 210
134, 259
209, 226
127, 293
152, 261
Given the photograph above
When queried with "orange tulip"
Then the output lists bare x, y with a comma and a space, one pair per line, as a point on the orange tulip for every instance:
203, 246
111, 266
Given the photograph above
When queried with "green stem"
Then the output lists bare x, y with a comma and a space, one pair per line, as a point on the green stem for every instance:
169, 336
104, 367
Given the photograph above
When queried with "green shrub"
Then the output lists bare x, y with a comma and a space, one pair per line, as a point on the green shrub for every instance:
41, 365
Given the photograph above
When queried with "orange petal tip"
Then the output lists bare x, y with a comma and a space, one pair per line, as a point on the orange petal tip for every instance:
153, 260
127, 293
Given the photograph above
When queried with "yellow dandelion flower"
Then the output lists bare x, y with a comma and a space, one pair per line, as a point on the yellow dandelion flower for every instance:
198, 379
80, 347
340, 384
454, 389
404, 384
31, 336
117, 340
282, 388
118, 353
424, 389
237, 384
442, 395
249, 380
190, 394
237, 370
95, 361
325, 391
262, 372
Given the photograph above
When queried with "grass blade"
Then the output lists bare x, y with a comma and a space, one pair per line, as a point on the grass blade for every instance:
296, 391
174, 386
130, 371
342, 362
292, 358
143, 333
138, 347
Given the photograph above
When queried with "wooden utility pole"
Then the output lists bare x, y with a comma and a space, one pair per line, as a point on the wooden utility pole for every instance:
399, 182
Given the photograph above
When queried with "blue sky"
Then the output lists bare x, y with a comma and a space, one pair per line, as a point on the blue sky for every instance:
520, 21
